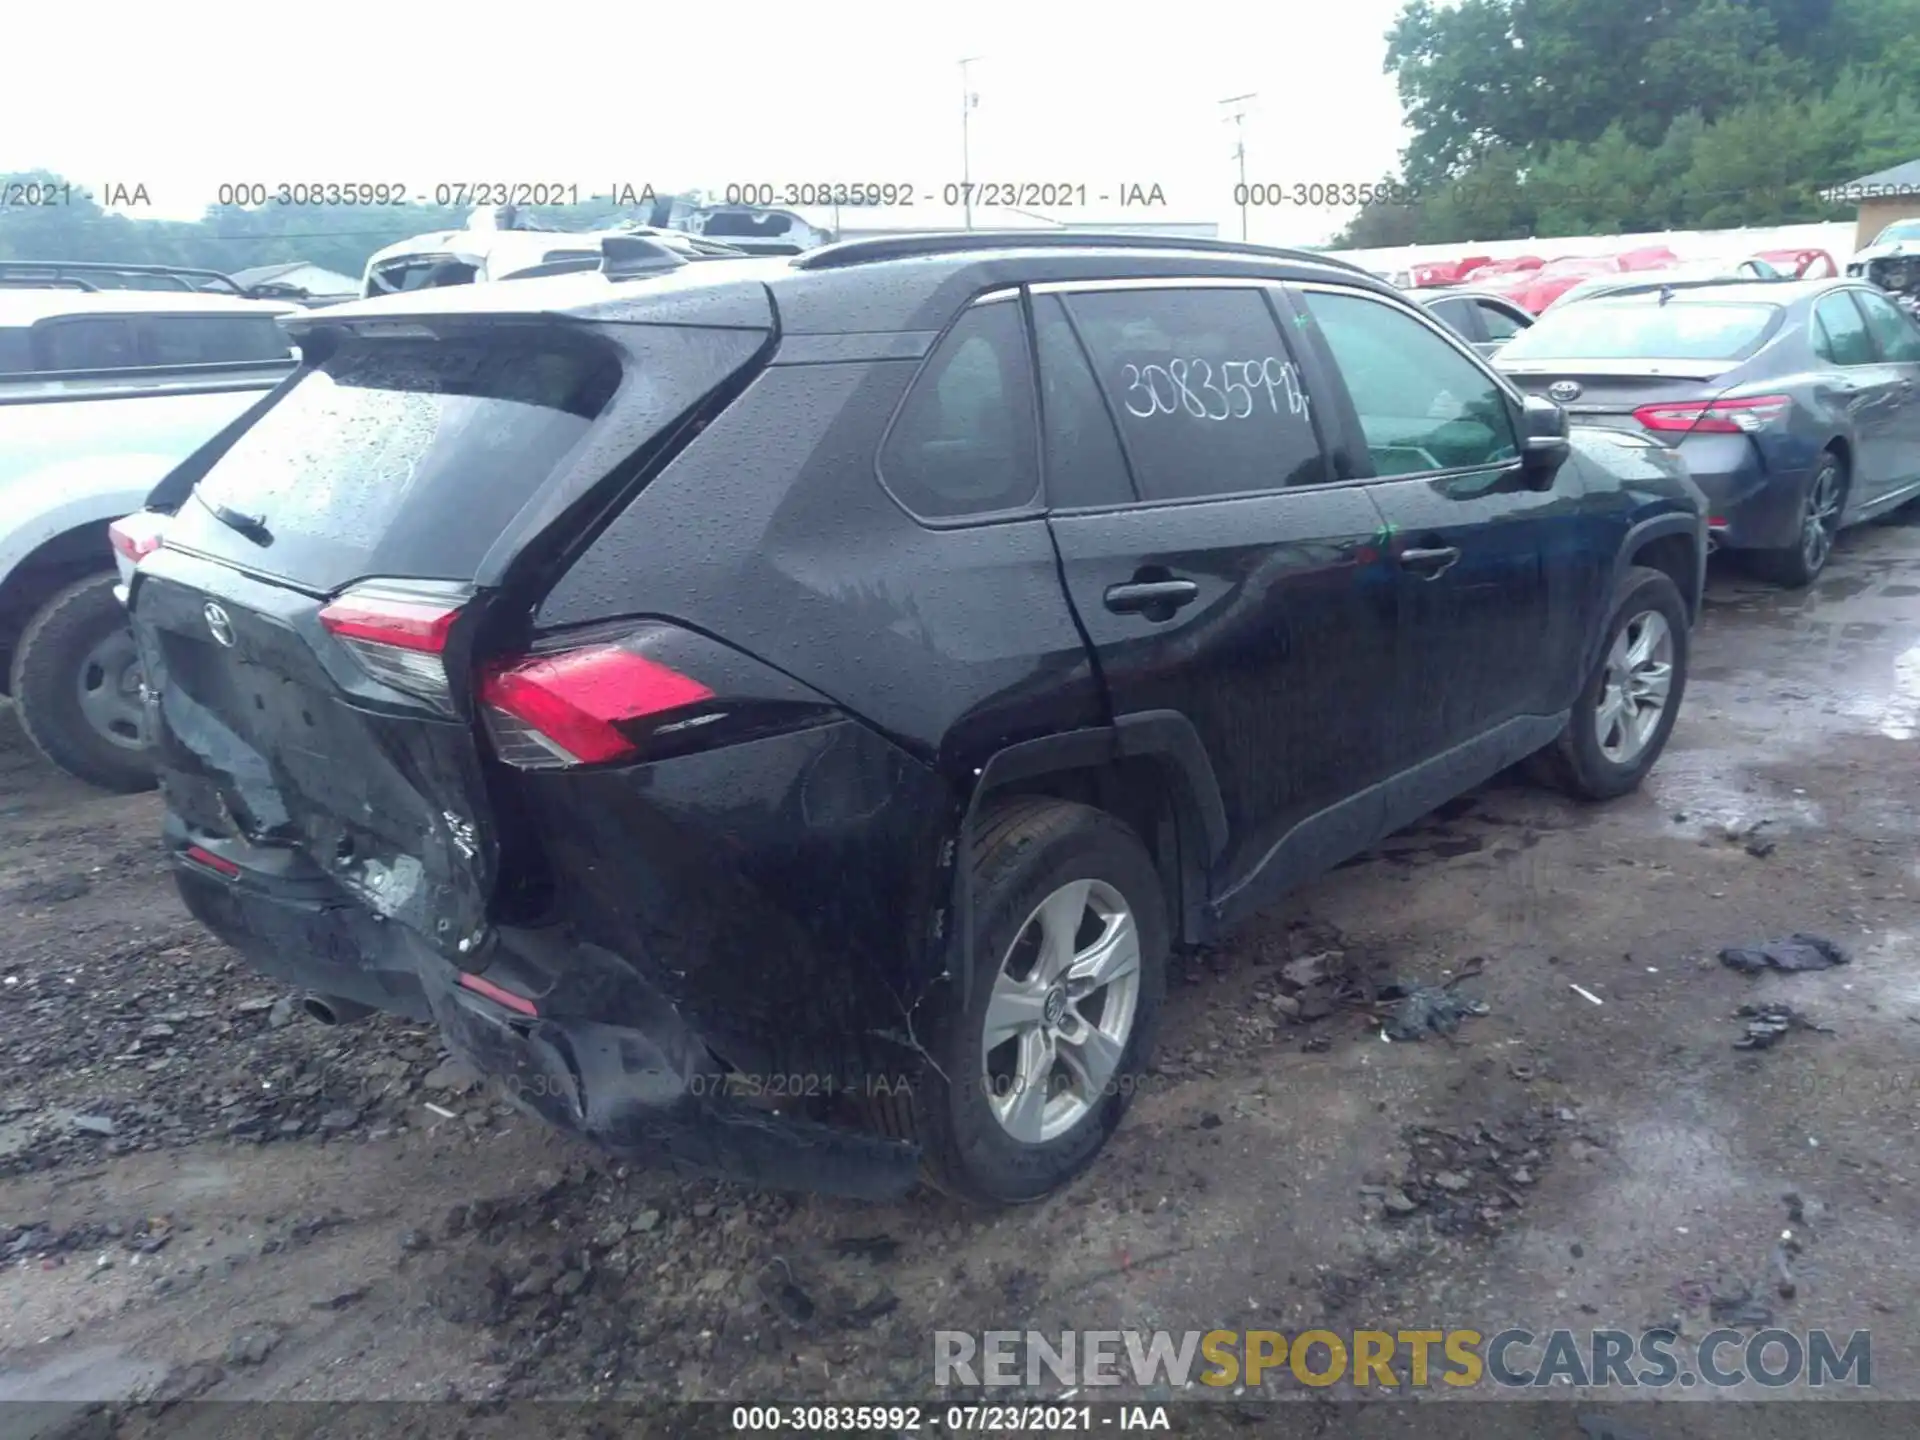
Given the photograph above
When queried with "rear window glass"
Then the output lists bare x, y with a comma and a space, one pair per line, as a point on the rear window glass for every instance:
1645, 330
16, 352
213, 339
426, 272
106, 343
405, 458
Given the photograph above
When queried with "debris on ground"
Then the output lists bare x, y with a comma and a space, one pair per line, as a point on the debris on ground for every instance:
777, 1288
1413, 1012
1469, 1180
1784, 1282
867, 1247
1795, 953
1767, 1024
1422, 1010
1746, 834
1740, 1307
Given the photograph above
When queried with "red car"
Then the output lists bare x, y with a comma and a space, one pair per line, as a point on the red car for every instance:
1802, 264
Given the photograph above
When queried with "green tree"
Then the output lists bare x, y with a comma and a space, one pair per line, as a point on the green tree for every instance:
1545, 117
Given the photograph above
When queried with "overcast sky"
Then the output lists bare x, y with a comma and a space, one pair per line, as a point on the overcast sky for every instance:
192, 94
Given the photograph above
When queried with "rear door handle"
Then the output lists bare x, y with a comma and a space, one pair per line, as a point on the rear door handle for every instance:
1160, 595
1430, 564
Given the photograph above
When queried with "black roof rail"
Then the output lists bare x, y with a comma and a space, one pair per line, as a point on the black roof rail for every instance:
25, 272
69, 282
906, 247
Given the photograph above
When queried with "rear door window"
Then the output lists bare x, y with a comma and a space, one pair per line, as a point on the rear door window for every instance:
400, 458
964, 442
1897, 337
1840, 335
1208, 398
1422, 404
1084, 462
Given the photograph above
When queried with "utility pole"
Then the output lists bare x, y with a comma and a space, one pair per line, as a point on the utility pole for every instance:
967, 101
1239, 117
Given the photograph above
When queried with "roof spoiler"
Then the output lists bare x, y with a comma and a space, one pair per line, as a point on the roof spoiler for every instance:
626, 257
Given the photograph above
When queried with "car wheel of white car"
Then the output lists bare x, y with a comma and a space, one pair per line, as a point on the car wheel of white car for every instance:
76, 685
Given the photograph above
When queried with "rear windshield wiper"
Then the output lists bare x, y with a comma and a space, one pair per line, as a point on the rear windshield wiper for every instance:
254, 527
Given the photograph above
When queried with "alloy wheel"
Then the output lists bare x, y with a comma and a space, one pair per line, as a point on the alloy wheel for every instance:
1634, 689
1821, 520
1061, 1011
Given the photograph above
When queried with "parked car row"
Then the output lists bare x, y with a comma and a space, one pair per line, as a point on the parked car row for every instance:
1536, 284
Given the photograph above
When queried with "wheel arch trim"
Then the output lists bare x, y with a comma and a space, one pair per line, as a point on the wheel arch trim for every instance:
1163, 735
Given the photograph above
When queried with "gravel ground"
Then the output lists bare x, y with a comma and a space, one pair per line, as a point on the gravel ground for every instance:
203, 1194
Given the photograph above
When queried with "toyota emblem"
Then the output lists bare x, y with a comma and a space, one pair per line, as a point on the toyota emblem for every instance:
218, 625
1564, 390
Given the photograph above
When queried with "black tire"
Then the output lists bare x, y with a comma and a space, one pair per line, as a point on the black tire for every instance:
1574, 762
46, 687
1023, 852
1791, 566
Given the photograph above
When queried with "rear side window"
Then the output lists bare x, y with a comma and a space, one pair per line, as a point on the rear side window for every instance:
1085, 465
401, 458
1208, 399
212, 339
1422, 404
106, 343
1840, 333
963, 443
1897, 336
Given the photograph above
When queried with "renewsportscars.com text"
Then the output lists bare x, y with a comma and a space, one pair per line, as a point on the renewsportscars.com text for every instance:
1403, 1359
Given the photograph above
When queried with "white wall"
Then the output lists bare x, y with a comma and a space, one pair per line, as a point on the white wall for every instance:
1835, 239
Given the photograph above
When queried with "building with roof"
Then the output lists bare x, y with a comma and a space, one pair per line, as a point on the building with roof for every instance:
1881, 198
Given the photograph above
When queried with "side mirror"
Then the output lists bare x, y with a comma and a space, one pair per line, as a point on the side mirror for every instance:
1544, 446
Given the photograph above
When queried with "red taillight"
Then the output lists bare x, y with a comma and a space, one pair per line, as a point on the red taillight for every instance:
218, 864
396, 620
397, 636
1715, 417
136, 536
570, 709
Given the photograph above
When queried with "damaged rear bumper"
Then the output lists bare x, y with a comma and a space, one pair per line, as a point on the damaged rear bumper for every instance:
648, 1089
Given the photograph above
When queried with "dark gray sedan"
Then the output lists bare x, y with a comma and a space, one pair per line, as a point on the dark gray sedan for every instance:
1796, 404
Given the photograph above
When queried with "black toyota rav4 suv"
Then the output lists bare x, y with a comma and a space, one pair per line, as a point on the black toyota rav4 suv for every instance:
776, 716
